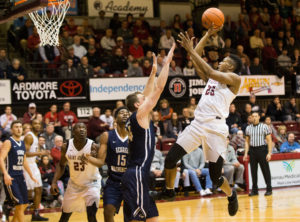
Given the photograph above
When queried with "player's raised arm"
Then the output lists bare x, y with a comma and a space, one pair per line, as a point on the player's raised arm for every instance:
98, 155
151, 100
3, 154
151, 80
60, 169
228, 78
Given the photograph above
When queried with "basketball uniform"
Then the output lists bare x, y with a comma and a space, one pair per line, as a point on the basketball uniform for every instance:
138, 205
33, 166
116, 159
17, 192
209, 127
84, 185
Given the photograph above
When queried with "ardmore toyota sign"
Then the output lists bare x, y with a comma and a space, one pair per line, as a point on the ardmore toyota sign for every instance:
122, 7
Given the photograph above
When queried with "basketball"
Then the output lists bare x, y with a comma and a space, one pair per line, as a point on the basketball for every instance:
212, 15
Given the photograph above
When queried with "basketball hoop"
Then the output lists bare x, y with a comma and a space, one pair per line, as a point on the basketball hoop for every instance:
49, 20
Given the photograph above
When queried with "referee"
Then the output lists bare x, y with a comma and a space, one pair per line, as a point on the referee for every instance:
258, 138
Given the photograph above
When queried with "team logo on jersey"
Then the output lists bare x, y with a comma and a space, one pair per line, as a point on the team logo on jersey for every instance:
177, 87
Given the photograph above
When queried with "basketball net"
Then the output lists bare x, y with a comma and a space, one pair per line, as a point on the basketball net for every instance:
49, 20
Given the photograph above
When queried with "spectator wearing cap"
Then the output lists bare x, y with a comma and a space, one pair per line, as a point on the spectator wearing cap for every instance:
119, 63
125, 32
121, 45
167, 40
31, 114
136, 49
71, 55
79, 50
107, 42
290, 145
96, 126
16, 71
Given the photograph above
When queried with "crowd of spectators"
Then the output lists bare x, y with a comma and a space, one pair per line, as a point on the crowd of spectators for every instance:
262, 37
265, 37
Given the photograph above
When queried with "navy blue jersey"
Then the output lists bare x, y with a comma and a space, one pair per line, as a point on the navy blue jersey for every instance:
117, 155
141, 144
15, 158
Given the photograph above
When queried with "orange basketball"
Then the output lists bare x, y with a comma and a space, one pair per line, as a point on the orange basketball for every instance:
212, 15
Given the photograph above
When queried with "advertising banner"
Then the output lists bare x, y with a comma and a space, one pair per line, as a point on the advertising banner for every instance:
48, 90
283, 173
5, 92
115, 88
262, 85
121, 6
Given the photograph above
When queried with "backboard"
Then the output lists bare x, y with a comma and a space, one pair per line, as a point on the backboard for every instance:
12, 9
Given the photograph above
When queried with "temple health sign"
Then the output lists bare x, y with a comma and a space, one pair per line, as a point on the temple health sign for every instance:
122, 7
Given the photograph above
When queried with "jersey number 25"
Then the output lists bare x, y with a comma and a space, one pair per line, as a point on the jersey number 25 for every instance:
210, 90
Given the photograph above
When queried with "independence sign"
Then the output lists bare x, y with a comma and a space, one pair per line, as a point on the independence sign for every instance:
48, 90
121, 6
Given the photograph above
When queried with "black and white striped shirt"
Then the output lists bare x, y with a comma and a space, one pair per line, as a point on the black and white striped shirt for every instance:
257, 134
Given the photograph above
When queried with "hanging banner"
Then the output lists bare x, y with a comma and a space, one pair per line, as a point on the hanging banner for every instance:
5, 92
123, 7
115, 88
48, 90
73, 10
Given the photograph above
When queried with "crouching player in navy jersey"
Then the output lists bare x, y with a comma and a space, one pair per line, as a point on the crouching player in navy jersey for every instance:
115, 145
138, 205
13, 150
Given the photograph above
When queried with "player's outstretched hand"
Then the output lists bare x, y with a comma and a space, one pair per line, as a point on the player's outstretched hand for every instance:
213, 29
170, 54
185, 41
54, 189
154, 66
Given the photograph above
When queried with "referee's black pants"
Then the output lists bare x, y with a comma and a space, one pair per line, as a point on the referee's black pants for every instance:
258, 156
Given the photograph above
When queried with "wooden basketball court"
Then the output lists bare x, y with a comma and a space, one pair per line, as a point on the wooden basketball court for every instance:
284, 205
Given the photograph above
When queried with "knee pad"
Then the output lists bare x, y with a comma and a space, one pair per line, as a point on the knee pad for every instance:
91, 213
215, 171
173, 156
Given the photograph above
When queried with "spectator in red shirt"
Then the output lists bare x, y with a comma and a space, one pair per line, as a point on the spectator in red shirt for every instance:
96, 126
136, 49
140, 31
33, 43
56, 150
71, 28
67, 120
269, 55
31, 114
147, 67
51, 116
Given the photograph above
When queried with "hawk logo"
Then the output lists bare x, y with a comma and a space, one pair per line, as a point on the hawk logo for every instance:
288, 166
177, 87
